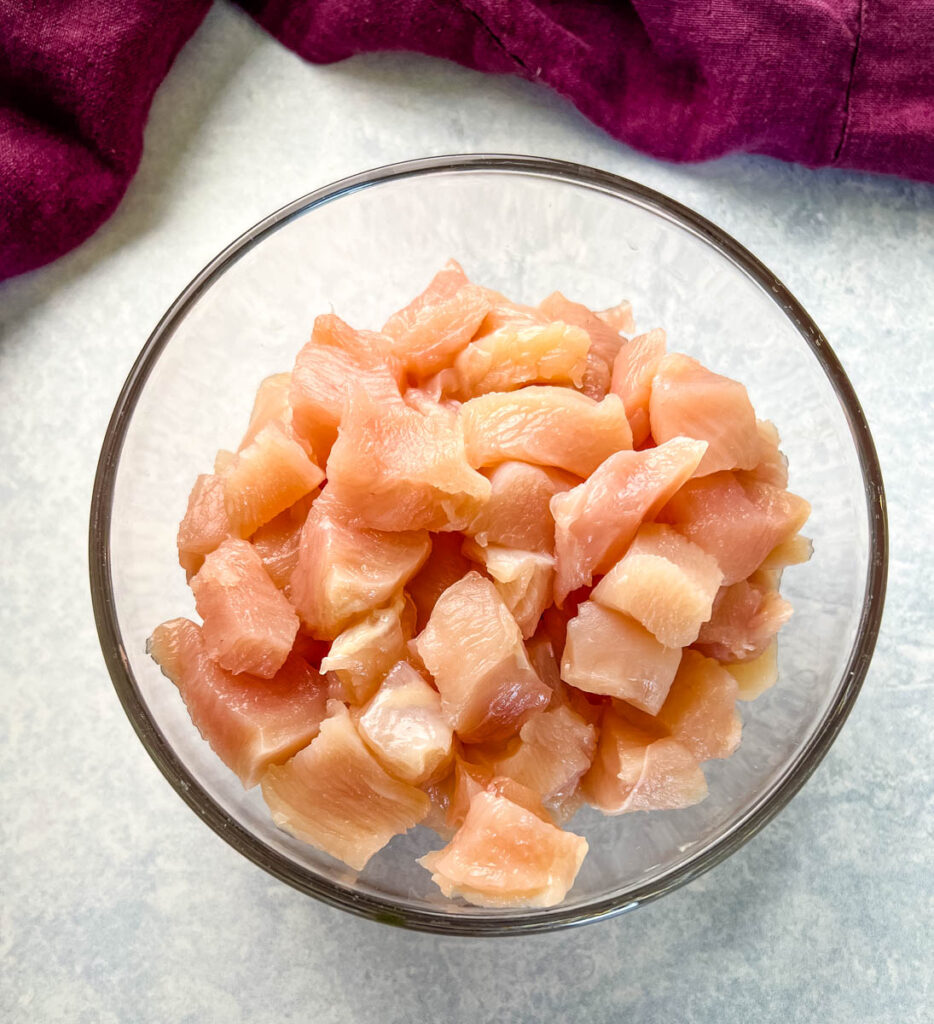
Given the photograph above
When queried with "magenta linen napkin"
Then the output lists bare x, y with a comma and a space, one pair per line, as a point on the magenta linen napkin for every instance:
848, 83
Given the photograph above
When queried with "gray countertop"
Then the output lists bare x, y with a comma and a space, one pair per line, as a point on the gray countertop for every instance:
119, 905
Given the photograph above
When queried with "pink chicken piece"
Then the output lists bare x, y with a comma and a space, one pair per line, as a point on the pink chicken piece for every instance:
271, 405
700, 710
345, 569
506, 855
250, 723
546, 425
518, 514
336, 795
405, 729
337, 360
688, 400
609, 653
205, 524
634, 770
506, 313
756, 675
619, 317
445, 565
474, 651
403, 468
664, 582
633, 370
277, 541
524, 579
249, 626
596, 521
430, 331
772, 466
362, 655
737, 522
267, 477
513, 356
605, 342
746, 618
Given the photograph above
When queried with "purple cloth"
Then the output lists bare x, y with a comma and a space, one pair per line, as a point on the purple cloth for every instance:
848, 83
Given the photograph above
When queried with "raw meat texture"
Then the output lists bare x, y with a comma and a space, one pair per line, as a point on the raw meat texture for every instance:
700, 710
596, 521
336, 795
756, 675
772, 467
277, 541
794, 551
610, 653
550, 426
270, 405
345, 570
445, 565
633, 370
404, 727
635, 770
504, 855
506, 313
473, 649
619, 317
542, 657
517, 514
595, 382
402, 468
555, 748
268, 476
436, 325
739, 523
517, 355
362, 655
337, 360
745, 619
223, 460
524, 579
249, 626
250, 723
439, 793
605, 342
688, 400
472, 777
555, 619
205, 524
664, 582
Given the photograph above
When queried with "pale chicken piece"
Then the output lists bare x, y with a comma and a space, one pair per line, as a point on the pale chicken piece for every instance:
430, 331
794, 551
664, 582
745, 619
404, 727
517, 514
250, 723
609, 653
249, 625
772, 466
268, 476
619, 317
633, 369
345, 569
634, 770
403, 468
555, 748
446, 564
473, 649
739, 523
205, 524
605, 342
506, 313
700, 710
688, 400
755, 676
550, 426
596, 521
506, 856
524, 579
510, 358
335, 362
362, 655
270, 405
277, 541
336, 795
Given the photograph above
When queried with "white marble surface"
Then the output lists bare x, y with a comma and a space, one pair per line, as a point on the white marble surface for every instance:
119, 905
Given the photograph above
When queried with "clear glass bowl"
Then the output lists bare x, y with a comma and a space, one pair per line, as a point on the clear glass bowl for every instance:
524, 226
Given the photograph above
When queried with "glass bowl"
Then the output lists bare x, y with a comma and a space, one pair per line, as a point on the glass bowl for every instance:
524, 226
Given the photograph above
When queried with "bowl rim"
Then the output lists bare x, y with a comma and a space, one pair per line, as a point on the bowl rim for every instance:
374, 907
